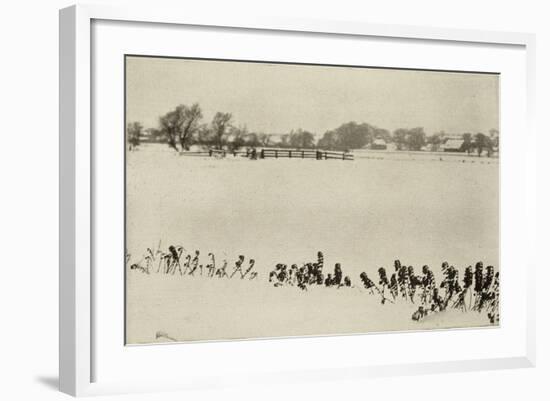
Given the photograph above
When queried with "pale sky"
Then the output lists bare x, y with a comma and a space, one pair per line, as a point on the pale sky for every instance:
276, 98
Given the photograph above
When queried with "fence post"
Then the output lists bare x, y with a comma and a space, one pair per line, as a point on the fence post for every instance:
262, 154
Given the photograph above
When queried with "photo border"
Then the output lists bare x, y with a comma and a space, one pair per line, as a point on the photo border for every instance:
286, 63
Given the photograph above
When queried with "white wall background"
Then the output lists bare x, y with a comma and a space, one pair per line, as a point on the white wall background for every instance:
29, 200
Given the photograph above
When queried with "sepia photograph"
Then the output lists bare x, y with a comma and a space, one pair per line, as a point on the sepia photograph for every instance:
271, 199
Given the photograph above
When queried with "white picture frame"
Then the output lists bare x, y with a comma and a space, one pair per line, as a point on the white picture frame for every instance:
78, 371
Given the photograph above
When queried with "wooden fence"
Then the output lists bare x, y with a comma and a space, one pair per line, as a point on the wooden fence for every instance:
214, 152
305, 154
276, 154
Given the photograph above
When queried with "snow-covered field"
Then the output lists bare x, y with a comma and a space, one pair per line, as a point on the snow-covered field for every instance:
362, 214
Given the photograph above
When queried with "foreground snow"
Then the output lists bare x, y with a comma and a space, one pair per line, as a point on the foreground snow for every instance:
362, 214
199, 308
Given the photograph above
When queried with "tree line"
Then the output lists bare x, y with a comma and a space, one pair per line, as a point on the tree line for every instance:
184, 126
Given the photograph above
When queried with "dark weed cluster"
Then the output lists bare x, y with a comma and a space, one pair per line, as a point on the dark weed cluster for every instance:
477, 291
308, 274
177, 260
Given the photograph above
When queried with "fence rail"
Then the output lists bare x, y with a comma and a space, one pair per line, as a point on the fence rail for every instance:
276, 153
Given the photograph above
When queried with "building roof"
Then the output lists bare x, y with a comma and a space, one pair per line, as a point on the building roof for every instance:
453, 144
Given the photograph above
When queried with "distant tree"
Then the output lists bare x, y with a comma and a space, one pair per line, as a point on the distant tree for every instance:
382, 134
252, 140
328, 141
484, 142
180, 124
191, 118
284, 141
350, 135
480, 143
416, 138
434, 141
237, 137
411, 139
264, 139
302, 139
171, 124
220, 126
155, 134
441, 135
467, 144
134, 130
400, 138
353, 136
204, 135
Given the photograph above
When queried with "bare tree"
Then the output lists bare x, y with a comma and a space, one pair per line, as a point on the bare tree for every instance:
171, 124
239, 136
191, 117
220, 125
134, 130
179, 124
264, 139
480, 143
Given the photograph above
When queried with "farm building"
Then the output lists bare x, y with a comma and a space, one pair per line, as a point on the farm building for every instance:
454, 145
379, 144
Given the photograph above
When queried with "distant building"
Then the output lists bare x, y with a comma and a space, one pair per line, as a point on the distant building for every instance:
152, 135
379, 144
453, 145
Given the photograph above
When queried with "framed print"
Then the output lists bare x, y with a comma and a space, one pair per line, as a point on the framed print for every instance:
280, 199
